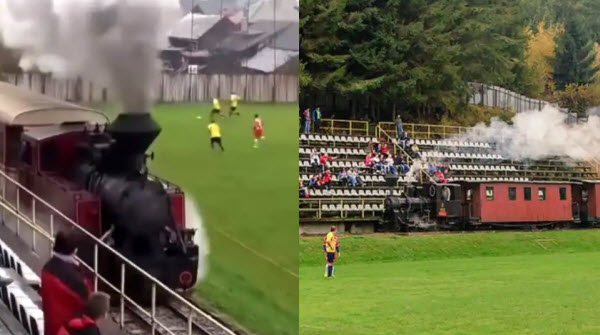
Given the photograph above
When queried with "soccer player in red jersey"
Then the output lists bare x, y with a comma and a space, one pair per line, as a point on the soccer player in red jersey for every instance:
258, 130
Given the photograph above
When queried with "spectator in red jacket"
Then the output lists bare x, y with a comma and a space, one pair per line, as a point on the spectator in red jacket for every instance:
326, 179
439, 175
324, 161
383, 149
64, 288
86, 324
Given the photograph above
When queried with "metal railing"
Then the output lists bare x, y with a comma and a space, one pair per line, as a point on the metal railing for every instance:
405, 154
424, 131
349, 127
336, 201
38, 230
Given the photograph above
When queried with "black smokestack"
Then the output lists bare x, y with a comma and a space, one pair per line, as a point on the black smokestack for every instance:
133, 134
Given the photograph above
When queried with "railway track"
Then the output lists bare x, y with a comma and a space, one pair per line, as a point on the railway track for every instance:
174, 319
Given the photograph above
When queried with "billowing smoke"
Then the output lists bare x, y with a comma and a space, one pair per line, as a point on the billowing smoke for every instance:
194, 220
111, 42
540, 134
415, 169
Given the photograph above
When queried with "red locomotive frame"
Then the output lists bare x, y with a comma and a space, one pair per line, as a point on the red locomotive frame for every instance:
38, 138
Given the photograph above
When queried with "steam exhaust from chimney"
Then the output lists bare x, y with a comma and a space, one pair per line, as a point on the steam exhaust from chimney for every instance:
110, 42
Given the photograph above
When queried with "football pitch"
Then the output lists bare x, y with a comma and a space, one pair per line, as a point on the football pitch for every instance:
488, 283
247, 199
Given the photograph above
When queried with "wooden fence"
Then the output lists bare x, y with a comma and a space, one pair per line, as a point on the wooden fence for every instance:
171, 87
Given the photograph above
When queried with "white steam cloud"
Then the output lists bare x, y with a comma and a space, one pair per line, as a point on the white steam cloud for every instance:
112, 42
194, 220
540, 134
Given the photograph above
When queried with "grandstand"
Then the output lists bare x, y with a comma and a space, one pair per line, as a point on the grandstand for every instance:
358, 209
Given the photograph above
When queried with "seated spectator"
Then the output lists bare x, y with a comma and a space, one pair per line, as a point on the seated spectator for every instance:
439, 176
64, 288
413, 151
313, 182
303, 190
401, 167
376, 147
388, 165
431, 169
326, 180
352, 180
96, 309
369, 160
343, 177
383, 148
314, 159
403, 141
377, 163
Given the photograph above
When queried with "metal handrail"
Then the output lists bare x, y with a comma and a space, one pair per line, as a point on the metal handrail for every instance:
121, 291
329, 124
409, 159
339, 201
428, 129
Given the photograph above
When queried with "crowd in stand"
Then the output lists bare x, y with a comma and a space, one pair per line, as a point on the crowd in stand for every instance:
438, 172
379, 159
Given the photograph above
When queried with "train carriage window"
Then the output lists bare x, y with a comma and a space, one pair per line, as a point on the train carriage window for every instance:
26, 153
489, 193
512, 193
469, 195
563, 193
446, 194
542, 193
527, 193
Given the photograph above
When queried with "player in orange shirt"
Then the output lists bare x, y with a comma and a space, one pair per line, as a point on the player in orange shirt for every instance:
258, 130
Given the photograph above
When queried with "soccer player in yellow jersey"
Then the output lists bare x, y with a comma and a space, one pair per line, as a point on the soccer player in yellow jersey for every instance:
215, 135
331, 247
216, 108
233, 104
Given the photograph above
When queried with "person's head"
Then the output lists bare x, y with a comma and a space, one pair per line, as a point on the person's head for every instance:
256, 116
98, 305
64, 243
332, 229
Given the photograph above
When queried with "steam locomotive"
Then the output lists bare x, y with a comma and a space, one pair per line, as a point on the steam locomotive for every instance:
96, 174
494, 204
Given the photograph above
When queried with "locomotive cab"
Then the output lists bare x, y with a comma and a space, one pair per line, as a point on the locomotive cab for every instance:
446, 198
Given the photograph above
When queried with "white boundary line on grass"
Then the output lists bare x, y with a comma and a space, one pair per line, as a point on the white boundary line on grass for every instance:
277, 265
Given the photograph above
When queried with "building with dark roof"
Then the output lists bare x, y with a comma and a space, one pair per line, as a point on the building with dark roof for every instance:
210, 7
205, 32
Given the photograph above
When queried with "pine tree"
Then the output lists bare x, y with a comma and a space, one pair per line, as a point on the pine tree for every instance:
575, 54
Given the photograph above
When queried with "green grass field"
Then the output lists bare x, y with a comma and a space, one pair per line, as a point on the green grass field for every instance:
248, 202
489, 283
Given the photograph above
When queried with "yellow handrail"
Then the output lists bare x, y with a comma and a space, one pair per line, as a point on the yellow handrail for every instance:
350, 127
409, 159
428, 131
